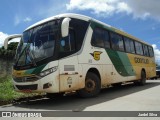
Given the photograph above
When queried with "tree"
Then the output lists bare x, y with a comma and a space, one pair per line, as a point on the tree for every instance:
10, 52
12, 46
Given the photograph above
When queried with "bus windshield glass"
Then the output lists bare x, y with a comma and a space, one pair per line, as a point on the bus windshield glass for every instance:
37, 44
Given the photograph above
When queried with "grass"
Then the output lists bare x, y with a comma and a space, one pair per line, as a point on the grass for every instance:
3, 79
7, 92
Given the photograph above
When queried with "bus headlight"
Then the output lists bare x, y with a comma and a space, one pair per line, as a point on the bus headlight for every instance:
48, 71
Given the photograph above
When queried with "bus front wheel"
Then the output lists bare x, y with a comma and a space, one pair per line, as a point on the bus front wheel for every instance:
92, 86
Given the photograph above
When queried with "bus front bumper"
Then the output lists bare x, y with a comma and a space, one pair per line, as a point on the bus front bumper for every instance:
48, 84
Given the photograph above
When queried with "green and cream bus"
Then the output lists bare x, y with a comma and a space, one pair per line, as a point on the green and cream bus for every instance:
71, 52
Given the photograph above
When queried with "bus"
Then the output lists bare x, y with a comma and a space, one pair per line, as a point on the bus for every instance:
72, 52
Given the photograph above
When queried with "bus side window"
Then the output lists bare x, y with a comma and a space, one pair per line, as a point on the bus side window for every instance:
145, 49
139, 49
67, 44
97, 38
117, 42
151, 54
106, 39
100, 38
129, 45
132, 46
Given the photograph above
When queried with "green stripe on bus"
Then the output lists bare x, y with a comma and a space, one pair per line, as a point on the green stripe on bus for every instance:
29, 71
121, 62
126, 63
95, 24
36, 70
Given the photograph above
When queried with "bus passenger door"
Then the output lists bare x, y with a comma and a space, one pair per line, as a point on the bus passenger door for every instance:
68, 64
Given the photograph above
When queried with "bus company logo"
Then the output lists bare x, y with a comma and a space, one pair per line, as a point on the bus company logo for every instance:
96, 55
141, 60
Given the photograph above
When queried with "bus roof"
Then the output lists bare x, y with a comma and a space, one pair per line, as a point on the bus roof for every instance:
70, 15
85, 18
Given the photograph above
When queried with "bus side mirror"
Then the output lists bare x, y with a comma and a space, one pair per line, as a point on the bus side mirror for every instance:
65, 27
10, 38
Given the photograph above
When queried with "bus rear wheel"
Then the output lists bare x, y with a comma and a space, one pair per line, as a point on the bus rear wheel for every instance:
142, 81
92, 86
143, 78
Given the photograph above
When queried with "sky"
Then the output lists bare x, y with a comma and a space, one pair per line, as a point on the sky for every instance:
140, 18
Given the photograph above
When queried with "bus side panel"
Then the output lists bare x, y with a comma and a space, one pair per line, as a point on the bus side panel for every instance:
141, 62
95, 57
69, 73
91, 57
152, 67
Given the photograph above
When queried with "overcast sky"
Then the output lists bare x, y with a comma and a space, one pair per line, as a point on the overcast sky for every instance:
140, 18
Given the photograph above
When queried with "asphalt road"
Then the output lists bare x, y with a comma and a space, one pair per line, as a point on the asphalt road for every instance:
125, 98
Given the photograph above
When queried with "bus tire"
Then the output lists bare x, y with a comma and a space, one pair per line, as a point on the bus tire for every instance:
92, 86
143, 78
142, 81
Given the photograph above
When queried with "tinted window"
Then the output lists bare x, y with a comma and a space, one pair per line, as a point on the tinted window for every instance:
129, 44
43, 40
73, 43
67, 44
80, 29
151, 54
117, 42
106, 39
139, 49
145, 49
100, 38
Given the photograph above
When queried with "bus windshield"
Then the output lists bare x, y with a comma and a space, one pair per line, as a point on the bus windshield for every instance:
37, 44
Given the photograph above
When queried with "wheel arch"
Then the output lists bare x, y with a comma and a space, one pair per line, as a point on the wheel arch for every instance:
95, 71
93, 78
143, 69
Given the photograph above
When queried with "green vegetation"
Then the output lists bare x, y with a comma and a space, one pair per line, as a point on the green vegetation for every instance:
7, 92
10, 52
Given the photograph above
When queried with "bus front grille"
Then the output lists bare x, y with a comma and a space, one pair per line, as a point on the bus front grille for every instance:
27, 87
26, 79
